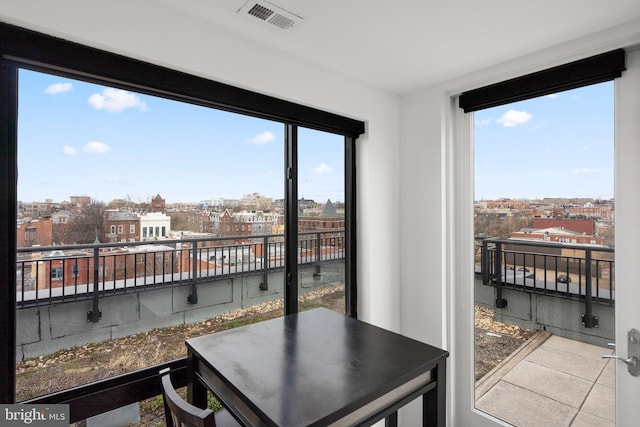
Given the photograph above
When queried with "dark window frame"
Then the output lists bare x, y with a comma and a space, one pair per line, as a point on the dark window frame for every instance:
21, 48
584, 72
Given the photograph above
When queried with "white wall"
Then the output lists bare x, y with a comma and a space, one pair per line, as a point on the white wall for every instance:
240, 62
421, 217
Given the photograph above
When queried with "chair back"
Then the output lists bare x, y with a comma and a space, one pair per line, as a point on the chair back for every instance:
180, 413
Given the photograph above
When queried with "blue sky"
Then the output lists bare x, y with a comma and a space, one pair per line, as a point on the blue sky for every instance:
76, 138
560, 145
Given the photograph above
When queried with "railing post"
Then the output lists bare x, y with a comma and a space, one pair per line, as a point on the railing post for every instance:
588, 319
485, 263
193, 296
95, 314
264, 286
497, 273
317, 274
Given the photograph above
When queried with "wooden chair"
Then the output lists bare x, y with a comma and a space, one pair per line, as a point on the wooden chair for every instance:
180, 413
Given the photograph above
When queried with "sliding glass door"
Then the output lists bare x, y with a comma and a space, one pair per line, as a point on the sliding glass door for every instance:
147, 199
321, 220
626, 315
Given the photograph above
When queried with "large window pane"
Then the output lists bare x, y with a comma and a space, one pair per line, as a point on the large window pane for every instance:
138, 217
321, 220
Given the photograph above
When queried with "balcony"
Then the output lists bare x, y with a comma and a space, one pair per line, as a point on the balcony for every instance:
551, 380
70, 296
104, 277
564, 288
124, 288
57, 274
567, 294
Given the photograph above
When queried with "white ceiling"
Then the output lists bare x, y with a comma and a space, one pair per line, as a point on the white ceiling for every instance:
396, 45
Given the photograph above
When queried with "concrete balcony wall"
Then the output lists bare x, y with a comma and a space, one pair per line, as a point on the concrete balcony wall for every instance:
560, 316
46, 329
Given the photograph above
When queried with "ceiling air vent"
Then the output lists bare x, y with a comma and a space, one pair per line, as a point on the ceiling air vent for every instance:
270, 14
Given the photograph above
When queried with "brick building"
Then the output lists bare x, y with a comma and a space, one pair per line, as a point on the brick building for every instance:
327, 220
586, 226
591, 211
37, 232
79, 201
121, 226
158, 204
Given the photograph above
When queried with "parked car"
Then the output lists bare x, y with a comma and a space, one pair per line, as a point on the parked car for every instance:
563, 278
524, 270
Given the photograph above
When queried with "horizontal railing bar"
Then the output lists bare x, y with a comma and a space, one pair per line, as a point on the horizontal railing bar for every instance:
551, 244
115, 392
170, 241
47, 279
514, 272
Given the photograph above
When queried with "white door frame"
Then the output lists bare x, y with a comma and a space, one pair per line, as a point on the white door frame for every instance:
458, 223
460, 271
627, 216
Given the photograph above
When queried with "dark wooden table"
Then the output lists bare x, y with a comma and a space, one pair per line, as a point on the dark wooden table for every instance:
317, 368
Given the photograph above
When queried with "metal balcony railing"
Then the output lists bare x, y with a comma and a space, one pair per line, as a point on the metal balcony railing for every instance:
580, 272
56, 274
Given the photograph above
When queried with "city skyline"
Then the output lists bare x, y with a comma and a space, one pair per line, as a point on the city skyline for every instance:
77, 138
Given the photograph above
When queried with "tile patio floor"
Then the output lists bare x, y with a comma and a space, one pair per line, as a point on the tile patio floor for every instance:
561, 383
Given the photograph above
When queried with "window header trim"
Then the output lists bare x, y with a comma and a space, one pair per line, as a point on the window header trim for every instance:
596, 69
42, 52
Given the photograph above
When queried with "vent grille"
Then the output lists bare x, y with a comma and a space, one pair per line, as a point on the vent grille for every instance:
260, 12
270, 14
282, 21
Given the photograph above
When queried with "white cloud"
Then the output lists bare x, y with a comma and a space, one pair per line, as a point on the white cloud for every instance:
116, 100
96, 147
69, 151
322, 169
552, 96
513, 118
585, 171
263, 138
57, 88
484, 122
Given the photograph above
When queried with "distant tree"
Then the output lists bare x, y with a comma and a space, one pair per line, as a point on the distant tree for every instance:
143, 207
179, 221
83, 227
608, 236
492, 225
121, 204
128, 203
